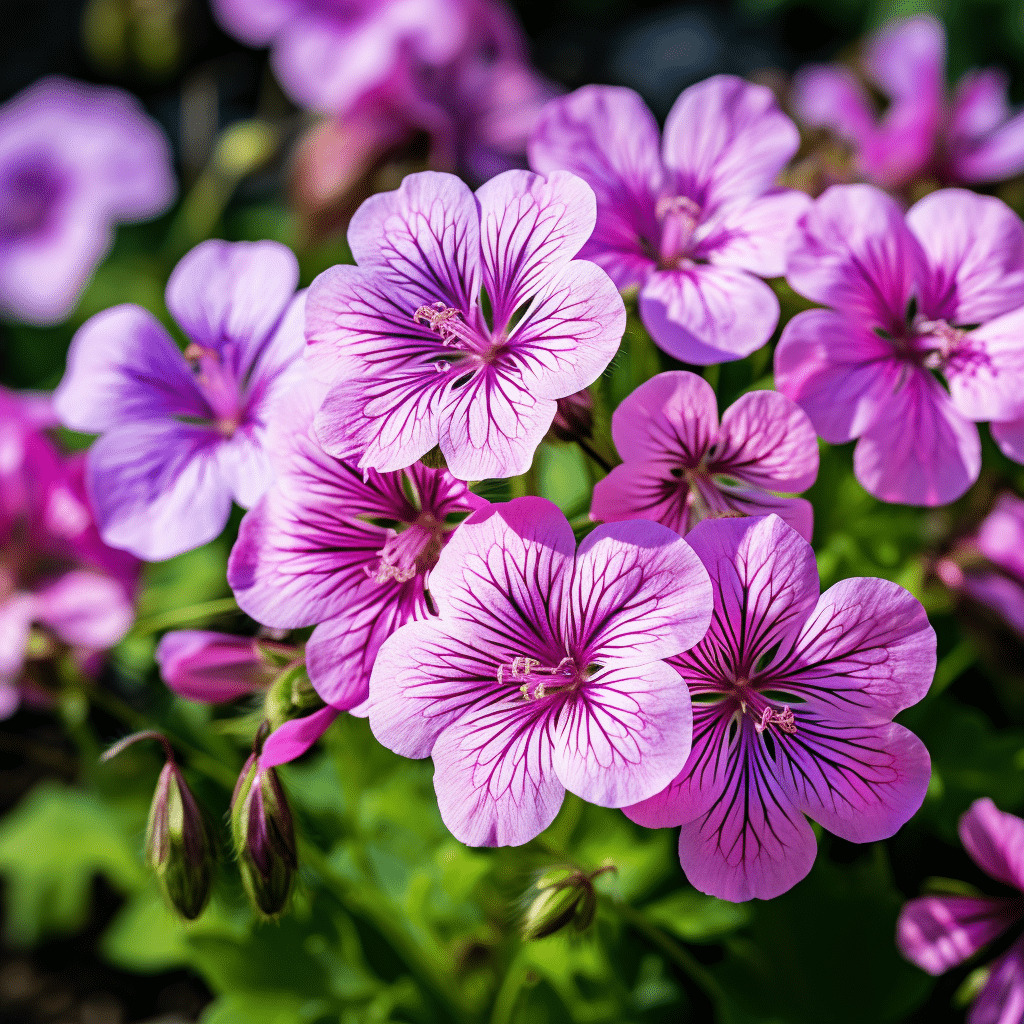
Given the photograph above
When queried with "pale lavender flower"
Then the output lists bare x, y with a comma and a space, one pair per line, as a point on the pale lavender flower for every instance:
940, 932
691, 219
346, 551
793, 699
937, 293
545, 671
414, 355
968, 138
75, 160
183, 434
682, 466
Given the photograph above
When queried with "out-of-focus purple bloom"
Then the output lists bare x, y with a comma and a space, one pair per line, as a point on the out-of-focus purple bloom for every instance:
55, 574
682, 466
692, 219
414, 357
75, 159
184, 434
213, 667
347, 551
907, 298
545, 670
939, 932
793, 699
966, 139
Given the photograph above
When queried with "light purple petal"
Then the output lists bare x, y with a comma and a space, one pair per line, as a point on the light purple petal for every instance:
999, 593
908, 57
940, 932
86, 609
979, 106
295, 737
1001, 536
852, 251
922, 451
609, 137
831, 97
985, 371
639, 594
1000, 155
995, 841
975, 250
1002, 999
643, 490
725, 139
707, 314
16, 614
156, 488
752, 501
211, 667
626, 735
1010, 438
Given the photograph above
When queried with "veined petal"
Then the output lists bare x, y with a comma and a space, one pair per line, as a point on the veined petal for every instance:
725, 138
939, 932
975, 250
123, 368
639, 594
707, 314
767, 440
995, 841
244, 465
493, 775
279, 366
157, 489
985, 372
922, 450
295, 737
1002, 999
529, 229
86, 609
642, 490
752, 501
423, 238
608, 136
624, 736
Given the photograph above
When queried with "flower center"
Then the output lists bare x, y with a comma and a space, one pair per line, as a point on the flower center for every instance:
218, 384
409, 553
764, 713
536, 680
447, 322
27, 195
678, 217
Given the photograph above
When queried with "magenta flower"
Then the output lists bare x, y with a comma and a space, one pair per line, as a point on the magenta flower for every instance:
692, 220
940, 932
545, 670
966, 139
348, 552
907, 299
183, 435
75, 160
55, 575
682, 466
415, 357
793, 700
212, 668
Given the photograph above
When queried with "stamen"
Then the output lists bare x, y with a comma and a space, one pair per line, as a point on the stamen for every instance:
951, 343
783, 720
445, 321
678, 216
523, 670
216, 378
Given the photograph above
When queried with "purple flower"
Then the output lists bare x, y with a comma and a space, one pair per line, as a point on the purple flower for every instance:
415, 356
939, 932
793, 698
682, 466
75, 159
906, 299
184, 434
213, 667
545, 670
347, 551
55, 575
693, 220
967, 139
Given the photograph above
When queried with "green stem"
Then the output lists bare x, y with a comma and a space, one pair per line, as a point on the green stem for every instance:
184, 616
594, 455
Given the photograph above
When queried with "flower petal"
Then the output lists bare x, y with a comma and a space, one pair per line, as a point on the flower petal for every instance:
1010, 438
752, 501
16, 614
624, 736
295, 737
707, 314
995, 841
643, 490
211, 667
1002, 999
985, 372
827, 96
999, 155
86, 609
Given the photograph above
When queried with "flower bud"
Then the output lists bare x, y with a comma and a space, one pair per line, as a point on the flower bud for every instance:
563, 896
574, 417
291, 696
213, 667
264, 835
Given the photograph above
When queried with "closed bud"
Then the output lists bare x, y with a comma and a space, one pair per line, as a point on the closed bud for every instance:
563, 896
291, 696
574, 417
264, 836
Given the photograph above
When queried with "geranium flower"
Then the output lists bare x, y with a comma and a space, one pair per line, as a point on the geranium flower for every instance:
682, 466
184, 434
692, 219
793, 699
545, 670
465, 320
967, 139
347, 551
75, 160
940, 932
907, 299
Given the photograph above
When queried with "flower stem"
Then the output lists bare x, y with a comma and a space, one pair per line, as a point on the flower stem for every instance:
184, 616
594, 455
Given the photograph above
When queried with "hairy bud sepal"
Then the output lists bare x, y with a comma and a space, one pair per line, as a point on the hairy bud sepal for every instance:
563, 896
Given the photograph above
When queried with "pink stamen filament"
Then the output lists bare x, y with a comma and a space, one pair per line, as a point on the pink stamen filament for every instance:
783, 720
523, 670
219, 386
678, 216
446, 322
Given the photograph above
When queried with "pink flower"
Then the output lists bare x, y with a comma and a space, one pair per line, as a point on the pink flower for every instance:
940, 932
682, 466
545, 670
937, 292
691, 219
212, 667
968, 138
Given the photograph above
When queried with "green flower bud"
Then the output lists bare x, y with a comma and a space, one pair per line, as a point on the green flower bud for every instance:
563, 896
290, 696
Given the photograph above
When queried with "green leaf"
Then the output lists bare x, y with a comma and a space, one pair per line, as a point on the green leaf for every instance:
695, 917
146, 936
264, 1008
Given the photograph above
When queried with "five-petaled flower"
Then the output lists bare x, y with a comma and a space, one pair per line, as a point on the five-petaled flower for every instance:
682, 466
938, 293
464, 322
694, 220
183, 435
793, 699
940, 932
545, 670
